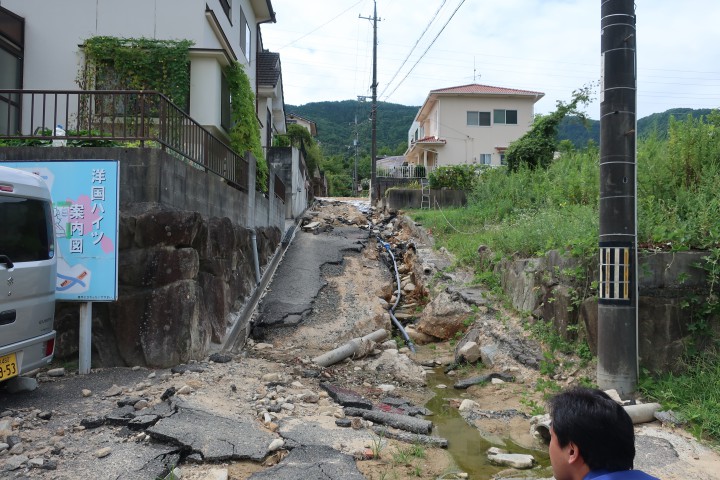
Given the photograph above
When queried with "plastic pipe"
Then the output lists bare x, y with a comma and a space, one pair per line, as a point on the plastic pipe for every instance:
256, 261
349, 349
642, 413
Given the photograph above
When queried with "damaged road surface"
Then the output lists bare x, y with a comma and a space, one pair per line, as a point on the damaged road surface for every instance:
272, 410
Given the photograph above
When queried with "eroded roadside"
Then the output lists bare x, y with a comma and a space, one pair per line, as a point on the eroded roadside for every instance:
270, 412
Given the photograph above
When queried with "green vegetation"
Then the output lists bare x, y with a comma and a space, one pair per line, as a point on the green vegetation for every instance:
113, 63
694, 394
245, 132
456, 177
532, 210
299, 137
537, 147
337, 132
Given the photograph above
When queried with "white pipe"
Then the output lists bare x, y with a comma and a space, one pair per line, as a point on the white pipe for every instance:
85, 347
348, 349
256, 260
642, 413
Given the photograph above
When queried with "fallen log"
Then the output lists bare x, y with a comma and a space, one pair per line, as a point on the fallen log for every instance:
402, 422
428, 440
350, 348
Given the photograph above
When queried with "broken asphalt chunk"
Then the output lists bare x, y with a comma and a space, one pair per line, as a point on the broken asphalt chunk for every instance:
346, 397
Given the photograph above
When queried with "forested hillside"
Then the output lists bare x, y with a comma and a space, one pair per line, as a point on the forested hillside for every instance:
336, 125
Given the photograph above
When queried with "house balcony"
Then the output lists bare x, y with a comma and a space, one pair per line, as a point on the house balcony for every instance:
119, 118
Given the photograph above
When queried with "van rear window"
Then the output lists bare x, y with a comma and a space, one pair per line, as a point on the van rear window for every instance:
25, 229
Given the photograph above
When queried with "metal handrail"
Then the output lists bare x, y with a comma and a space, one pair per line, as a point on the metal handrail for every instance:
114, 117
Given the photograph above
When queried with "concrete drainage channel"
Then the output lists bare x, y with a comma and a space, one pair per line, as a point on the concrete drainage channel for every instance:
466, 445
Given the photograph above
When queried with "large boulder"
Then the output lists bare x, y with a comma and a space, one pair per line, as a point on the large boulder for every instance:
154, 267
167, 227
172, 331
443, 317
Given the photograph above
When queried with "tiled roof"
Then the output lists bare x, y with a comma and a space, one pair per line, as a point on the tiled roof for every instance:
431, 140
474, 88
268, 68
394, 161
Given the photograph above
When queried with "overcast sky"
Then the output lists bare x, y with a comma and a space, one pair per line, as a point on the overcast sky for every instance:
551, 46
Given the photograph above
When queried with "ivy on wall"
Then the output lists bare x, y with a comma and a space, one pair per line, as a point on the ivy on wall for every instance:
113, 63
245, 132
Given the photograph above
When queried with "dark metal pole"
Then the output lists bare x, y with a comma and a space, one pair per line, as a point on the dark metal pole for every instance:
374, 194
618, 293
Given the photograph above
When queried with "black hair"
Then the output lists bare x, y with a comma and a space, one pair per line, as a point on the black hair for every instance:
597, 424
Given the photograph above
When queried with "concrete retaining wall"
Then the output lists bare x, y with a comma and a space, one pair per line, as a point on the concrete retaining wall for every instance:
404, 198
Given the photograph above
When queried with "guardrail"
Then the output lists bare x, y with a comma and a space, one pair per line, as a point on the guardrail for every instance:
117, 118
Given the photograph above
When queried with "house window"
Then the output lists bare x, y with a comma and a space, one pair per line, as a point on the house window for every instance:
227, 7
478, 118
506, 117
485, 158
245, 35
503, 160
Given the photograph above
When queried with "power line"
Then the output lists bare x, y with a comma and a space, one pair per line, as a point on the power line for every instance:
320, 26
426, 50
432, 20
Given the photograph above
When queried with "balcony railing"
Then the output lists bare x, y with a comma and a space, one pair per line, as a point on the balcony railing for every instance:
117, 118
404, 171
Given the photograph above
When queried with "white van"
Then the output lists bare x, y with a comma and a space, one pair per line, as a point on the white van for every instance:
27, 273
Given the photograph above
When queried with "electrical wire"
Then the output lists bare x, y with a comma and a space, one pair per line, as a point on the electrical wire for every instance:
432, 20
320, 26
427, 49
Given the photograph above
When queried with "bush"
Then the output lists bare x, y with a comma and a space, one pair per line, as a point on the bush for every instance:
456, 177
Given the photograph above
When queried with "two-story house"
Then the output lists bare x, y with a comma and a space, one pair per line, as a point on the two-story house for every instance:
469, 124
41, 49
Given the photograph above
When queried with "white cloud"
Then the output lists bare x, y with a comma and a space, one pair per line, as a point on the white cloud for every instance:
551, 46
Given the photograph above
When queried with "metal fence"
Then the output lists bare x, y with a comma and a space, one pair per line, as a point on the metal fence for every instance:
117, 118
404, 171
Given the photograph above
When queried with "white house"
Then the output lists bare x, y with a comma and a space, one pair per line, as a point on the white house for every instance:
41, 47
469, 124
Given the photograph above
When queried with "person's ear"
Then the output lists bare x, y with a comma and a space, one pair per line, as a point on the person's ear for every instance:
573, 453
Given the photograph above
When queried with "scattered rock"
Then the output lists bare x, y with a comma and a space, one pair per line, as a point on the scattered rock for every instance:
470, 352
56, 372
103, 452
514, 460
113, 391
221, 357
86, 393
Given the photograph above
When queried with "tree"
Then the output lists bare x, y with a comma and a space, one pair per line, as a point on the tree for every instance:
537, 147
299, 137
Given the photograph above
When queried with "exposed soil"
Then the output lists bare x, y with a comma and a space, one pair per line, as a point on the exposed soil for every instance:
348, 306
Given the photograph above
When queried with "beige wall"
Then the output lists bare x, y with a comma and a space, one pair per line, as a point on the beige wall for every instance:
447, 119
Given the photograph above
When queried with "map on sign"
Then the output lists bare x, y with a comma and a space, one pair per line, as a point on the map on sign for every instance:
85, 217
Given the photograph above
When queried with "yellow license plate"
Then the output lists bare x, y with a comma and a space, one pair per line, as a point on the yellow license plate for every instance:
8, 366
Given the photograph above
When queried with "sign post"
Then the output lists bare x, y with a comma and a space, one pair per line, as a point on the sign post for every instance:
85, 217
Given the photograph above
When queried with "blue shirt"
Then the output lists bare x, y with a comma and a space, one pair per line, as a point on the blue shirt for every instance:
621, 475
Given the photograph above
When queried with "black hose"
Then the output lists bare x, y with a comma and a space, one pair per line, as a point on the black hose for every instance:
397, 323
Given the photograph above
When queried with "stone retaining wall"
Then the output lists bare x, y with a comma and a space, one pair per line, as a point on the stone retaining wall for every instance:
185, 262
551, 288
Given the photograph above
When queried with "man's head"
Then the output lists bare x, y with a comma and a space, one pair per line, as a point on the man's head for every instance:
589, 431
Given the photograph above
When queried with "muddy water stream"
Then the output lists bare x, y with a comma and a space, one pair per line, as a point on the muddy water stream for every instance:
467, 447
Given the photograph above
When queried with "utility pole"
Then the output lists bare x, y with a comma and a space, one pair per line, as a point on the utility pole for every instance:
373, 114
618, 293
355, 144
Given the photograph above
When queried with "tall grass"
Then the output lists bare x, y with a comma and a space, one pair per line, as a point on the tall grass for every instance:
529, 212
